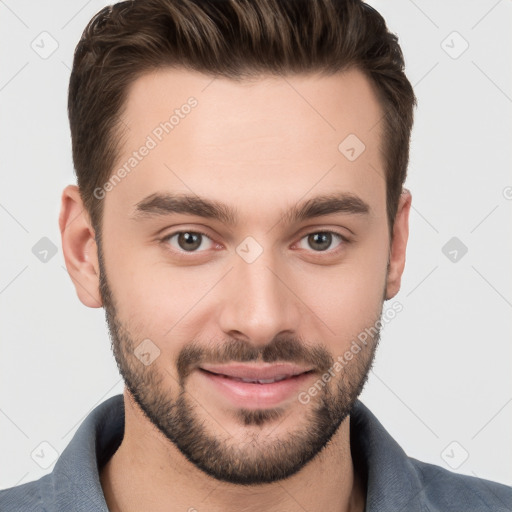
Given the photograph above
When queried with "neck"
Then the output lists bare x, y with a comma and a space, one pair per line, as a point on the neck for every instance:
148, 472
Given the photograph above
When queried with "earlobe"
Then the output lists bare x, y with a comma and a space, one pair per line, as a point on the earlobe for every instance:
398, 245
79, 247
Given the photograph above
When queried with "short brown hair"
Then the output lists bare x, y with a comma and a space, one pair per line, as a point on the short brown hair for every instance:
235, 39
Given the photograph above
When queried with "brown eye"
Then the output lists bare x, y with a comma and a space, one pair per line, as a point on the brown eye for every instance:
321, 241
188, 241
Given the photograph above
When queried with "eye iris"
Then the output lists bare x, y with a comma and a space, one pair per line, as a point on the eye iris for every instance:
189, 241
323, 239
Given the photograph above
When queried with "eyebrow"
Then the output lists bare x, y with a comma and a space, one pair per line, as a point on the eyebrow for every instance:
159, 204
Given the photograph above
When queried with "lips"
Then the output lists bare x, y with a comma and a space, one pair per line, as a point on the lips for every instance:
254, 386
257, 374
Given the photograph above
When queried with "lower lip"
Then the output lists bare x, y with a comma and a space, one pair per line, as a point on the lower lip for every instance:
254, 395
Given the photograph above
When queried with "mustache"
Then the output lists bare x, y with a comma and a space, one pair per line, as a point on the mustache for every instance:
280, 349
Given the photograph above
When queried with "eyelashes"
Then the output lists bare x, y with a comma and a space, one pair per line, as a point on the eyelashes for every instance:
330, 236
195, 242
190, 238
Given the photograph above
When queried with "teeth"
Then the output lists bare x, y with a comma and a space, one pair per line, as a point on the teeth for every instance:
262, 381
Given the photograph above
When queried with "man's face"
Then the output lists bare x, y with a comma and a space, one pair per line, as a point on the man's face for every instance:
204, 293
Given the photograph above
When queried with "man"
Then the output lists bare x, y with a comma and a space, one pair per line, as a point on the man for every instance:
240, 215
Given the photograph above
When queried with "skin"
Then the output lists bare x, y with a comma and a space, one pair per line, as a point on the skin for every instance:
260, 146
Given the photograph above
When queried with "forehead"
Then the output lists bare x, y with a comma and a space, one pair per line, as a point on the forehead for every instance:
270, 137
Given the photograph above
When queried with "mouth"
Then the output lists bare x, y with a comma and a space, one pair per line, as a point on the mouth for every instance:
256, 386
277, 378
261, 374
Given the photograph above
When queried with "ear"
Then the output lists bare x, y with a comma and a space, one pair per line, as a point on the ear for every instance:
398, 245
79, 247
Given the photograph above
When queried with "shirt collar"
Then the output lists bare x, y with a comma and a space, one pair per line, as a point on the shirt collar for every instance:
76, 482
392, 482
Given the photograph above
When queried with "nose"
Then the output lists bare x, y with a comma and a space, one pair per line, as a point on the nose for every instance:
259, 302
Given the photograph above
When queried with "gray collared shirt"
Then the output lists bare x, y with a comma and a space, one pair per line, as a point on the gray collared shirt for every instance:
395, 482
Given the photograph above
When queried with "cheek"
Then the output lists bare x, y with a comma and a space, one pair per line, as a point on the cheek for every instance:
349, 297
145, 297
158, 301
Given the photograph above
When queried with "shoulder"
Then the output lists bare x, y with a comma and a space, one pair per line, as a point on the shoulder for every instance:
26, 497
445, 490
396, 481
74, 483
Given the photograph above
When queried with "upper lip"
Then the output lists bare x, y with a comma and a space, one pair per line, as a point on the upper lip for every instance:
259, 371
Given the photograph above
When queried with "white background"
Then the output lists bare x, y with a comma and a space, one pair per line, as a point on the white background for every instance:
441, 384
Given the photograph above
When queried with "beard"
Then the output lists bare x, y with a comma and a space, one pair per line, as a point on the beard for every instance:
259, 457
